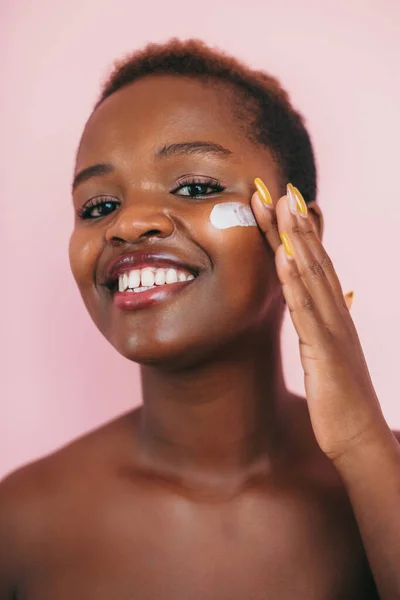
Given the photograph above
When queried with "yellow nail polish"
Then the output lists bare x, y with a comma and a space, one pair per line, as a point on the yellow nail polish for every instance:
286, 243
301, 203
263, 191
348, 298
292, 199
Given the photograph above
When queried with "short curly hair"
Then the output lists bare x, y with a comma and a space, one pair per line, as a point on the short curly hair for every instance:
262, 104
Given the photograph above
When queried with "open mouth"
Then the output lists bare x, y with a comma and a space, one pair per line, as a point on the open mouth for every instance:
142, 288
141, 280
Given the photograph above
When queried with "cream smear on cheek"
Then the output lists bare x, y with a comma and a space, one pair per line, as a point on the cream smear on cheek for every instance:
232, 214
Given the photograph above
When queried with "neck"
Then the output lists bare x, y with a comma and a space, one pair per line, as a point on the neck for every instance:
215, 423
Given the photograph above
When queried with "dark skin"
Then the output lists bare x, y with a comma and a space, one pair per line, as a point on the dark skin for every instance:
219, 486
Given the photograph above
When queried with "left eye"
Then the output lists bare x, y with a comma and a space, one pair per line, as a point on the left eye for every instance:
194, 190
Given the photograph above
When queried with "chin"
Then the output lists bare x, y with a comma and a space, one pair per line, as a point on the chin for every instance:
164, 356
174, 339
183, 350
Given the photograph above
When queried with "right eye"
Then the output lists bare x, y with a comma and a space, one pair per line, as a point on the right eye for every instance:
102, 205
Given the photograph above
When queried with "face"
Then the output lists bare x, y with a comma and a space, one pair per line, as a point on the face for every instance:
152, 204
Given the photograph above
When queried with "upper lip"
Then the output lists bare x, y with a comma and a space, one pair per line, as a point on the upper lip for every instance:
140, 259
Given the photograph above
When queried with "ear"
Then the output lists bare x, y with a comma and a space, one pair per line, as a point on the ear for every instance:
317, 218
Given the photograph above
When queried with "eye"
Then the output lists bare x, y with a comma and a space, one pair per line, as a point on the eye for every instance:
101, 206
197, 188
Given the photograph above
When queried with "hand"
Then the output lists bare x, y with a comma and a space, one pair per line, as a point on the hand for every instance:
342, 402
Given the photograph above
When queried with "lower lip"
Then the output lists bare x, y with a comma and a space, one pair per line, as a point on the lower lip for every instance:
138, 300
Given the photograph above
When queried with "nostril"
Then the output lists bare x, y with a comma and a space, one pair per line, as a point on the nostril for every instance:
116, 241
151, 232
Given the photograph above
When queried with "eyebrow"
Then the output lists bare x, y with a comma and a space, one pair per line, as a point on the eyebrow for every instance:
184, 148
197, 147
92, 171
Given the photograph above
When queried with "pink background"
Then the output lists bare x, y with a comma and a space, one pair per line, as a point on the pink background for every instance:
339, 60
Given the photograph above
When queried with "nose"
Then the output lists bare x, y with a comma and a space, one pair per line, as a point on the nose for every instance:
135, 222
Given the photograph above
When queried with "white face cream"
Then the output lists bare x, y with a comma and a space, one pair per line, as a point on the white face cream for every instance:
232, 214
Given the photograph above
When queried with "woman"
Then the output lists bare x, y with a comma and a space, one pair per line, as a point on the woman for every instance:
196, 222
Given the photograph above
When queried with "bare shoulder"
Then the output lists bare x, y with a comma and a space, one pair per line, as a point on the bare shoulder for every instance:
22, 519
32, 496
95, 450
15, 529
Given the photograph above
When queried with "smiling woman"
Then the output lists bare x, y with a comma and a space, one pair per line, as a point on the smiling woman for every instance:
196, 219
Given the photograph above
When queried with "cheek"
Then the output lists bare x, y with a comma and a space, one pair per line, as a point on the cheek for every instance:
232, 214
244, 263
243, 249
237, 240
83, 253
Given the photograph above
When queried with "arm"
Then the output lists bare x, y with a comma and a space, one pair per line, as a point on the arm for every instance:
371, 473
345, 413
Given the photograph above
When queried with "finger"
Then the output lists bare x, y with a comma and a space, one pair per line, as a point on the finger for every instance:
320, 260
264, 212
303, 311
314, 292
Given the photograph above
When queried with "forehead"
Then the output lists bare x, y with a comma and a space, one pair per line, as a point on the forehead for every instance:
163, 109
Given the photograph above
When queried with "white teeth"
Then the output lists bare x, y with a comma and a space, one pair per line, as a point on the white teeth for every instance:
171, 276
160, 277
134, 278
143, 288
143, 279
147, 278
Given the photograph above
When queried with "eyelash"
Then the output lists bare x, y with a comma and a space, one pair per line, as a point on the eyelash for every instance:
84, 211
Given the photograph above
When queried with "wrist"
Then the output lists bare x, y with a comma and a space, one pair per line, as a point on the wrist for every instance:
368, 449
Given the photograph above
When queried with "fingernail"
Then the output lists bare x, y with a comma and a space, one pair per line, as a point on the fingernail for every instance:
348, 298
291, 197
286, 243
301, 203
263, 191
